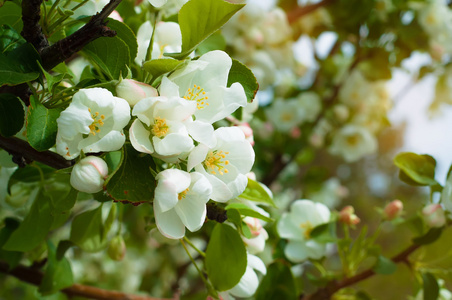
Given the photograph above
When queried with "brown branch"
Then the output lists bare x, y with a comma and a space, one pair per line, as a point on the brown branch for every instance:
23, 154
34, 276
300, 11
330, 289
65, 48
32, 31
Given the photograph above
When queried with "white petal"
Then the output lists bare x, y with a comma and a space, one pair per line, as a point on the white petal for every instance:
256, 263
191, 211
202, 132
139, 137
288, 229
113, 141
144, 109
197, 156
237, 186
201, 186
168, 88
144, 35
121, 113
168, 223
172, 144
233, 98
157, 3
247, 285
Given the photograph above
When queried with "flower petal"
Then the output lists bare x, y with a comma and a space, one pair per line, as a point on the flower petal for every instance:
139, 137
169, 223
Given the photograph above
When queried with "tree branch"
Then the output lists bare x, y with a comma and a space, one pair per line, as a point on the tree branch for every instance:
327, 291
65, 48
300, 11
23, 154
34, 276
32, 31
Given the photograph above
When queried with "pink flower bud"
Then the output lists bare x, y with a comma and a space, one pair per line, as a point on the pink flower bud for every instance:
254, 225
248, 131
295, 132
347, 216
393, 209
117, 248
133, 91
88, 174
434, 215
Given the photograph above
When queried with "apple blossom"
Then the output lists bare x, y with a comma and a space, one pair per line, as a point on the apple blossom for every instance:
225, 164
285, 115
180, 201
93, 122
259, 235
296, 226
353, 142
204, 81
88, 174
393, 209
347, 216
133, 91
160, 126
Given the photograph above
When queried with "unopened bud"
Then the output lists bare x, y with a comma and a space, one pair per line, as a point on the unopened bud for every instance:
88, 174
341, 112
434, 215
133, 91
347, 216
393, 209
117, 248
248, 131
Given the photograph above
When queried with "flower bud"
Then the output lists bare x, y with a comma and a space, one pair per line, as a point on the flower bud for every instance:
434, 215
347, 216
133, 91
117, 248
248, 131
393, 210
88, 174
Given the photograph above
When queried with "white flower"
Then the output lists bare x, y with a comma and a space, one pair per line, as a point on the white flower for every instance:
311, 105
180, 201
204, 81
93, 122
88, 175
249, 282
133, 91
296, 226
259, 235
352, 142
285, 115
167, 39
160, 126
225, 164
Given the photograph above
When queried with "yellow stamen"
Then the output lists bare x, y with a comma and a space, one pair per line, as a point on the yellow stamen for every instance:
216, 162
160, 128
197, 94
183, 194
307, 226
97, 122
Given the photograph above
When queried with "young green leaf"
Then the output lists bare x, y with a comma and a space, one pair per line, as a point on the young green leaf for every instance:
11, 14
9, 39
198, 19
278, 283
384, 266
247, 211
12, 115
430, 287
225, 257
256, 192
242, 74
20, 65
87, 230
157, 67
416, 169
123, 185
58, 274
41, 125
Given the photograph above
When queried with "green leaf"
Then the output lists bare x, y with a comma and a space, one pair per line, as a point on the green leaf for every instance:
247, 211
430, 287
214, 42
41, 125
11, 257
126, 34
278, 283
198, 19
123, 185
58, 274
87, 230
157, 67
31, 173
61, 193
11, 14
384, 266
34, 228
324, 233
9, 39
63, 246
12, 115
225, 257
20, 65
416, 169
256, 192
235, 218
111, 54
242, 74
432, 235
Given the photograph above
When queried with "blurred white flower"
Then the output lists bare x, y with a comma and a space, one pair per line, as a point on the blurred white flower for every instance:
93, 122
285, 115
296, 226
88, 175
353, 142
180, 201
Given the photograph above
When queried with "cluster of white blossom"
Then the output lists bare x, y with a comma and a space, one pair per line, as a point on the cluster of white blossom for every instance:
174, 124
